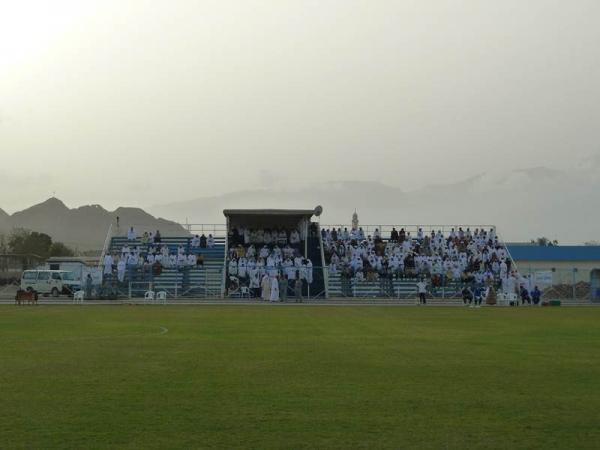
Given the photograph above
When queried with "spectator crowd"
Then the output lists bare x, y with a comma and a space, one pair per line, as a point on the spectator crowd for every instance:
149, 255
268, 263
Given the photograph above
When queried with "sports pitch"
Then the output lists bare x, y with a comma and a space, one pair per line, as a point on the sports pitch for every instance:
143, 377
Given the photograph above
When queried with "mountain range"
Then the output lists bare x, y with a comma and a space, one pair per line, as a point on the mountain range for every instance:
85, 227
524, 204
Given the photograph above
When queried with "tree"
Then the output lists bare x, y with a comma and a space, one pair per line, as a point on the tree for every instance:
544, 242
26, 242
3, 244
60, 249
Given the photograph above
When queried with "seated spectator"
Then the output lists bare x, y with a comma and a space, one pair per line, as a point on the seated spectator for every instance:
294, 237
131, 234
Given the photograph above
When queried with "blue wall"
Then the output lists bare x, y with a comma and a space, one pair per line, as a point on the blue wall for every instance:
555, 253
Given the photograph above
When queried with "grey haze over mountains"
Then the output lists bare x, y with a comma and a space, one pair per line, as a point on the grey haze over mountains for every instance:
523, 204
85, 227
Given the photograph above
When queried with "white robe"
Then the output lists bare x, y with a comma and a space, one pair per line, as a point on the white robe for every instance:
274, 290
108, 262
121, 270
266, 287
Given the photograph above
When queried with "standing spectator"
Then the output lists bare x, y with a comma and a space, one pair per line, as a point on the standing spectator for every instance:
274, 297
283, 287
525, 296
467, 295
108, 263
157, 238
265, 285
298, 288
536, 295
121, 270
88, 286
422, 291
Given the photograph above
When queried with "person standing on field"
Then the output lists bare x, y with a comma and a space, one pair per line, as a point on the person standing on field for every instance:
298, 288
283, 287
274, 297
88, 286
265, 284
422, 291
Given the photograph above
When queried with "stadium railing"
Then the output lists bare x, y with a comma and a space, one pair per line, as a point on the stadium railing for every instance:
386, 229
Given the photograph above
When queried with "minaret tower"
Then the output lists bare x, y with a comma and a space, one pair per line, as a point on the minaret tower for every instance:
355, 221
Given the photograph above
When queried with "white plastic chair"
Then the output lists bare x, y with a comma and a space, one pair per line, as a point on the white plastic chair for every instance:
245, 291
149, 296
78, 297
161, 297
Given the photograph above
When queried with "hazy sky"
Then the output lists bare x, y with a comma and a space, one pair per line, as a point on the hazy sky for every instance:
144, 102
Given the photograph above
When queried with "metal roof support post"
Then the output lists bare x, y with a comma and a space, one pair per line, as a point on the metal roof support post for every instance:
224, 277
305, 238
323, 268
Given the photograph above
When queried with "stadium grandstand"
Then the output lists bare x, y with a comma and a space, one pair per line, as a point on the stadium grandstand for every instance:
276, 255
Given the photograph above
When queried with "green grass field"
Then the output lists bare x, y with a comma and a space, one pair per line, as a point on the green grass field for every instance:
298, 377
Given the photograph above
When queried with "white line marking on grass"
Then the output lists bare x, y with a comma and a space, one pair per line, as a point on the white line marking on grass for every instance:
164, 330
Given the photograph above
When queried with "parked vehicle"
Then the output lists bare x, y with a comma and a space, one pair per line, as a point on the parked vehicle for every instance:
53, 282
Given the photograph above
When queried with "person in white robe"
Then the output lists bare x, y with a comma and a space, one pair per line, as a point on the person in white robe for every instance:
265, 285
294, 237
191, 260
282, 239
274, 297
309, 271
233, 267
264, 252
210, 242
131, 260
181, 260
121, 270
196, 241
108, 263
131, 234
254, 281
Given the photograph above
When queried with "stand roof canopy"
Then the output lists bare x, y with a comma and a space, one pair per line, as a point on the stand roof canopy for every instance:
267, 218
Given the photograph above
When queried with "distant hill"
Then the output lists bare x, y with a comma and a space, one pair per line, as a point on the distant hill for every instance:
4, 221
523, 204
84, 227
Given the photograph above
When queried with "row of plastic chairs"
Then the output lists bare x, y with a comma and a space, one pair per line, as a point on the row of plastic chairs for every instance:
155, 297
149, 296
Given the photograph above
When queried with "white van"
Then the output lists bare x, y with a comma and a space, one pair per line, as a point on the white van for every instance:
53, 282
